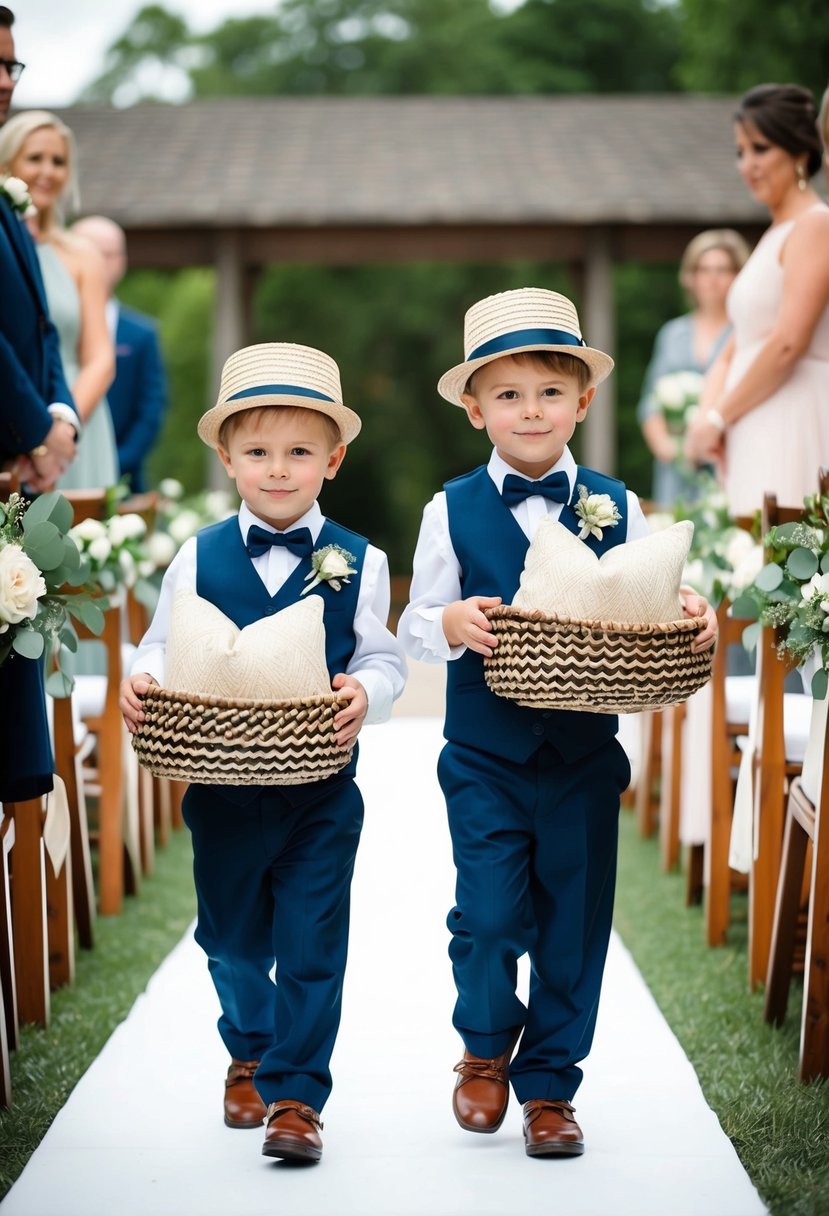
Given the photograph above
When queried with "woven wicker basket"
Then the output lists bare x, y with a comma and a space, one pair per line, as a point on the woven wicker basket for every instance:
552, 662
215, 741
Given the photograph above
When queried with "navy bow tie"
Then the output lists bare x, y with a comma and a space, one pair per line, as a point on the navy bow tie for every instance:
516, 489
299, 541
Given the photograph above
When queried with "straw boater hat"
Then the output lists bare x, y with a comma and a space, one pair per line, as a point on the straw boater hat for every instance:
279, 373
530, 318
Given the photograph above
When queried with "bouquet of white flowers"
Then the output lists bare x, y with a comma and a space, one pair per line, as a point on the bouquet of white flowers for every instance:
38, 561
677, 395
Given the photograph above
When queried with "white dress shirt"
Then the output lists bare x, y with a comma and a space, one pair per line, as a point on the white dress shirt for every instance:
436, 577
378, 661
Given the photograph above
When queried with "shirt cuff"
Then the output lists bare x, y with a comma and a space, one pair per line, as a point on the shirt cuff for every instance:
62, 412
380, 695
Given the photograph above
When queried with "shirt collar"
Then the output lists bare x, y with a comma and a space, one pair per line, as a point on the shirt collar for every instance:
498, 469
312, 520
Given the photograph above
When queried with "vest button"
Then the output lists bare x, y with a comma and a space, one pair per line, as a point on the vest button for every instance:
546, 713
270, 610
538, 728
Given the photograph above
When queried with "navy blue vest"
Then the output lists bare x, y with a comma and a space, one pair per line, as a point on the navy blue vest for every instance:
491, 549
226, 577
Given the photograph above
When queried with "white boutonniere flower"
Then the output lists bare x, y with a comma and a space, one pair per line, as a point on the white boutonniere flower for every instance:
596, 511
330, 565
17, 193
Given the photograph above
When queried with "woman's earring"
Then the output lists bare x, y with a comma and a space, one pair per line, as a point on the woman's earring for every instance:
801, 178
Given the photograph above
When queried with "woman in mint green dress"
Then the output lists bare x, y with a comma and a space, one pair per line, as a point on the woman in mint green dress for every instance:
40, 149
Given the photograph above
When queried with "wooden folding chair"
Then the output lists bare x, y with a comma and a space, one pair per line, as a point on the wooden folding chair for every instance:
119, 865
673, 717
772, 771
807, 823
28, 911
646, 796
8, 985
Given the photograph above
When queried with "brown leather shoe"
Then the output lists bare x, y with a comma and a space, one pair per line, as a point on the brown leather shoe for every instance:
481, 1094
550, 1130
293, 1132
243, 1106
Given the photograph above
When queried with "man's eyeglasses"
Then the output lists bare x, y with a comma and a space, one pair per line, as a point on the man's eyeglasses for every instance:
14, 68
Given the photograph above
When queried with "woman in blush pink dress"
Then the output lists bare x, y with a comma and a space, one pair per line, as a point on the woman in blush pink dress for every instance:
764, 413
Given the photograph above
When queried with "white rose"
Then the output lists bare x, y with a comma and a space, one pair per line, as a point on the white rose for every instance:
88, 530
117, 531
738, 547
146, 567
161, 548
669, 391
132, 526
21, 585
17, 190
100, 549
171, 488
185, 525
691, 383
127, 563
334, 565
217, 504
746, 571
818, 584
694, 573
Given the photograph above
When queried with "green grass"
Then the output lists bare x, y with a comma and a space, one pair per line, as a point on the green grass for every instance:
128, 949
747, 1069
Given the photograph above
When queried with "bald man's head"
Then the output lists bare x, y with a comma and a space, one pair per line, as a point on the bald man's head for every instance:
110, 241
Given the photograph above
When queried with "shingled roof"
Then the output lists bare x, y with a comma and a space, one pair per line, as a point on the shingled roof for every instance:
307, 162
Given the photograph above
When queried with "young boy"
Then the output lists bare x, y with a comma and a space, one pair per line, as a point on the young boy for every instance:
273, 865
532, 795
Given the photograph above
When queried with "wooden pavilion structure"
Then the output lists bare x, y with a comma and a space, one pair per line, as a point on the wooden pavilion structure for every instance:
241, 184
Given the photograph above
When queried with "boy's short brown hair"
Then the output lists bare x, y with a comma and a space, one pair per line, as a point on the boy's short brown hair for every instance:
231, 423
550, 360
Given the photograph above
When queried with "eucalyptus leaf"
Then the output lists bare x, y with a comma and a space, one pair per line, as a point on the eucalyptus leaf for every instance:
784, 533
59, 684
824, 563
40, 510
28, 643
820, 682
770, 577
89, 614
69, 638
802, 564
751, 636
745, 608
44, 545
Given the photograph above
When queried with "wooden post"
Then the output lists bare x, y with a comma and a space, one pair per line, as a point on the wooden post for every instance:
599, 330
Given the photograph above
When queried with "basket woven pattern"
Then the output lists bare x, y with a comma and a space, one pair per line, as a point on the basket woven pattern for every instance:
216, 741
552, 662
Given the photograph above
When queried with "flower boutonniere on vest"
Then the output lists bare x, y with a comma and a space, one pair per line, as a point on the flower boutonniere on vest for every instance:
16, 193
596, 512
330, 565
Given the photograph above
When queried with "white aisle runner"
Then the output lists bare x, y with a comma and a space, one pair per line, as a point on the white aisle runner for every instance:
142, 1134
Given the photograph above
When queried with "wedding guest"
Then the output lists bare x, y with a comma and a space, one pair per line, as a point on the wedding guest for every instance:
688, 343
39, 148
764, 414
532, 797
38, 428
137, 395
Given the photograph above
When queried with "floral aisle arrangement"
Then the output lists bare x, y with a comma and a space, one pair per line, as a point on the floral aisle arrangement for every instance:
791, 591
116, 550
39, 560
723, 557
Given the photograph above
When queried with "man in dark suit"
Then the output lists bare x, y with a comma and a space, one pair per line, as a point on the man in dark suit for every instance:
38, 429
137, 395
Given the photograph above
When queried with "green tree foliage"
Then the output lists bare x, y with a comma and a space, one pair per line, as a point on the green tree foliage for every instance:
394, 329
728, 47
